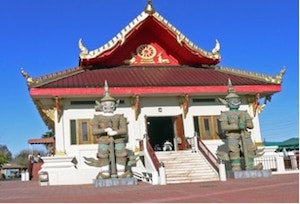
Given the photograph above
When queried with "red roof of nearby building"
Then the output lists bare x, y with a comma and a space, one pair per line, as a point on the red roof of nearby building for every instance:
41, 140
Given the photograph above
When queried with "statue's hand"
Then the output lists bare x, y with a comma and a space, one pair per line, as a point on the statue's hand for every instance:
107, 130
234, 126
242, 125
112, 133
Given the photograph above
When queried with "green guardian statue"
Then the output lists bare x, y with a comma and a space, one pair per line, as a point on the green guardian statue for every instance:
235, 124
111, 132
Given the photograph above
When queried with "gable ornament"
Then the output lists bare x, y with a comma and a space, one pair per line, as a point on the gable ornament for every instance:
184, 104
135, 103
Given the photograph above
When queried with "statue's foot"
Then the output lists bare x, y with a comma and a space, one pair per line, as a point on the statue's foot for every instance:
102, 176
126, 174
223, 155
258, 166
92, 162
236, 168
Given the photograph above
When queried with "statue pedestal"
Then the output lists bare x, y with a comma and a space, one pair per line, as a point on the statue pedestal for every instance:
115, 182
61, 170
249, 174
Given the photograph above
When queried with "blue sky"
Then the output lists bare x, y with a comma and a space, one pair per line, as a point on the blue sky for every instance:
42, 37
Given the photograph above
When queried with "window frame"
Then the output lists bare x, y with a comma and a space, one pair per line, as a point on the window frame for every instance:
76, 138
213, 124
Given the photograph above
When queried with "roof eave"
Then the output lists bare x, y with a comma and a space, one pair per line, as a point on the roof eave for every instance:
152, 90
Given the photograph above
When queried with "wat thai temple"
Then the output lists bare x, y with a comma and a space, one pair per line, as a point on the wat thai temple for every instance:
168, 89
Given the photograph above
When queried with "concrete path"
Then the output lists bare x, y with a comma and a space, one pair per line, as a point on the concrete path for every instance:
274, 189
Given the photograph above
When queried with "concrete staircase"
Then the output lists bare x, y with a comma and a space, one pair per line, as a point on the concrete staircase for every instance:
186, 166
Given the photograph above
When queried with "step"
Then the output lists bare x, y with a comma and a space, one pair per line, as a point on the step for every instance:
190, 180
203, 176
184, 171
186, 166
195, 174
185, 163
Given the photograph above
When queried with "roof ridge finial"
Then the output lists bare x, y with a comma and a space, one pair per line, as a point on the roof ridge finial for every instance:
149, 8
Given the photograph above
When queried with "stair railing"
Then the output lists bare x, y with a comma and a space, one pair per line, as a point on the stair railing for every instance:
207, 153
149, 154
150, 162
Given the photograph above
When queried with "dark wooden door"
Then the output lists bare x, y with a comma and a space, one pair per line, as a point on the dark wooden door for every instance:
179, 133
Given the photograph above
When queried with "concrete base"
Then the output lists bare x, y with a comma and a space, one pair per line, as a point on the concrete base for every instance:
249, 174
44, 183
62, 171
115, 182
71, 176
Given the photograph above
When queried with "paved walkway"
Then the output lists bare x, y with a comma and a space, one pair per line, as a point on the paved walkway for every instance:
274, 189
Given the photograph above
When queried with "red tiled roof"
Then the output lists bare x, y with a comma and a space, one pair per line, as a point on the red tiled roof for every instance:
128, 76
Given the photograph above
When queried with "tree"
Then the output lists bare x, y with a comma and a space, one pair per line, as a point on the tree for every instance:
5, 155
22, 158
49, 146
48, 134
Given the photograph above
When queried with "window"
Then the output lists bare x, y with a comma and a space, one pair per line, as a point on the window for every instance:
82, 102
208, 127
81, 132
204, 100
90, 102
83, 128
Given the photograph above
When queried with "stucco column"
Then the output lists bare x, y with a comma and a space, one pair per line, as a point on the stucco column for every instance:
59, 136
293, 162
222, 171
280, 164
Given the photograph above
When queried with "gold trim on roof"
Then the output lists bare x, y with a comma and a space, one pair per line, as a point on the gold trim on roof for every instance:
184, 104
149, 8
181, 38
278, 78
262, 77
59, 106
47, 114
39, 81
254, 103
135, 104
121, 36
30, 81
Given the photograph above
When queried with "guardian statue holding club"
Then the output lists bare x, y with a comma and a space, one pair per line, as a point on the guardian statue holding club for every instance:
110, 129
235, 124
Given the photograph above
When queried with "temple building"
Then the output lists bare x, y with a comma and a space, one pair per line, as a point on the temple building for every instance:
168, 89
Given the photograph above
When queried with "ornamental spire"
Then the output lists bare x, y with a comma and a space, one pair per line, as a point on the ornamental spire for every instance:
149, 8
231, 92
107, 96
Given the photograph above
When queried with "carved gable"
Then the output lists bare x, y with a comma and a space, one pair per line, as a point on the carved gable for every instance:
149, 39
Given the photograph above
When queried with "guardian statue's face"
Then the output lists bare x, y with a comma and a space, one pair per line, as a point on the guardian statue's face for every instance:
108, 106
234, 103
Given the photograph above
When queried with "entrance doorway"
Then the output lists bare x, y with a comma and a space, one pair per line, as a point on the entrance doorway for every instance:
161, 129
